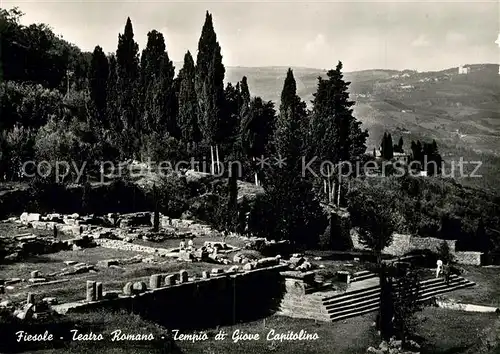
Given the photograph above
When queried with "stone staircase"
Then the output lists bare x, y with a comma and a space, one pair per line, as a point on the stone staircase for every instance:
361, 297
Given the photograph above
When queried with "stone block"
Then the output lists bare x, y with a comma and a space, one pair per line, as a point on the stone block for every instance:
91, 291
170, 280
113, 294
205, 275
26, 313
50, 300
233, 269
249, 266
107, 263
217, 271
128, 289
35, 274
155, 281
29, 217
98, 290
139, 287
183, 276
30, 298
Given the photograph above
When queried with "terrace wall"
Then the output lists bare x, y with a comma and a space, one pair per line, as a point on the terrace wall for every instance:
402, 244
223, 299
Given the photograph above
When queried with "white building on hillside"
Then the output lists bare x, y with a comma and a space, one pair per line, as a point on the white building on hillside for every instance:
463, 69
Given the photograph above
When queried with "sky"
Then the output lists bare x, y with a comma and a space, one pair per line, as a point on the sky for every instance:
421, 35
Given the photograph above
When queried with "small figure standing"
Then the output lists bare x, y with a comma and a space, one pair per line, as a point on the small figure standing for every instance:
439, 267
182, 244
190, 244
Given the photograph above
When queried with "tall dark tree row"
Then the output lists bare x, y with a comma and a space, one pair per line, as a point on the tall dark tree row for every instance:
98, 86
209, 84
292, 210
188, 103
427, 157
128, 99
386, 147
336, 135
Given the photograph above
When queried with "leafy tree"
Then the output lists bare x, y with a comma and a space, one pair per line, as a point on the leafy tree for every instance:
406, 303
444, 253
373, 217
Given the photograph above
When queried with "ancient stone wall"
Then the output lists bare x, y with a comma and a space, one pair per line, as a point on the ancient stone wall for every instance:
469, 257
402, 244
220, 299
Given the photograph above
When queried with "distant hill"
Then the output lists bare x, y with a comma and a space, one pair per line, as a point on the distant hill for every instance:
460, 111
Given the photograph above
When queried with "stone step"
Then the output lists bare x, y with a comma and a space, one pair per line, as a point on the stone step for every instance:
361, 307
360, 298
355, 313
443, 291
351, 295
354, 306
364, 277
348, 293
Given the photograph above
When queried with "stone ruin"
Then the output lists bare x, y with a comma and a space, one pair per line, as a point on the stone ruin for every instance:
127, 226
24, 244
94, 290
32, 308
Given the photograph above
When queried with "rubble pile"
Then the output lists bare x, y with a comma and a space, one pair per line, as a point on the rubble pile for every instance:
29, 309
394, 346
128, 226
23, 245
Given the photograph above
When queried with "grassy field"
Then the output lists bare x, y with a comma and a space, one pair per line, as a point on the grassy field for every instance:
487, 290
112, 278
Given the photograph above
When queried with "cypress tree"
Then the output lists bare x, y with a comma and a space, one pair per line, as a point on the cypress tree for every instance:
389, 147
157, 81
233, 101
292, 210
258, 128
188, 103
383, 146
336, 134
245, 92
98, 82
127, 60
210, 84
112, 96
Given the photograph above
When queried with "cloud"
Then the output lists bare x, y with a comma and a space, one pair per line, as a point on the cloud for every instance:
455, 38
420, 41
316, 45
